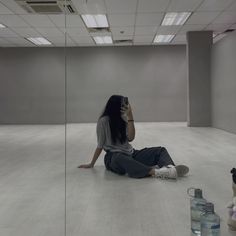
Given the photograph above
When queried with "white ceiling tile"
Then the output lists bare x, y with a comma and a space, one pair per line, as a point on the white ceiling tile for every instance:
26, 32
149, 19
122, 30
218, 27
61, 41
100, 34
19, 41
172, 29
148, 30
12, 21
121, 19
180, 38
90, 7
23, 43
57, 42
6, 45
178, 43
226, 18
5, 33
58, 20
4, 10
233, 26
28, 46
123, 44
38, 20
121, 6
232, 7
152, 5
97, 45
122, 37
186, 28
13, 6
74, 21
143, 39
214, 5
89, 45
183, 5
74, 31
202, 18
51, 32
162, 44
13, 46
141, 44
53, 39
83, 40
71, 44
3, 41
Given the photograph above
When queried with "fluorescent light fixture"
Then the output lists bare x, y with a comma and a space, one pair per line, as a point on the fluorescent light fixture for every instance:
163, 38
2, 26
95, 21
103, 39
39, 41
175, 18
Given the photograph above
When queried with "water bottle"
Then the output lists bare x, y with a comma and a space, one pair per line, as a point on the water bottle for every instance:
197, 205
210, 221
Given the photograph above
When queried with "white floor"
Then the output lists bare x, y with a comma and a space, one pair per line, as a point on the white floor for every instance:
32, 182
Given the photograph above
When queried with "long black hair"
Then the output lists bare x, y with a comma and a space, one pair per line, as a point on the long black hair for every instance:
233, 172
117, 124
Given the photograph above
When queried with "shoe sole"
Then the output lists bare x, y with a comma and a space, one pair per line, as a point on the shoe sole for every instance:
182, 170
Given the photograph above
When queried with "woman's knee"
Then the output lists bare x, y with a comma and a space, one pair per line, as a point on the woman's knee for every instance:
163, 149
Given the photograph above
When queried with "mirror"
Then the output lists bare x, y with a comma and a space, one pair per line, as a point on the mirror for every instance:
32, 118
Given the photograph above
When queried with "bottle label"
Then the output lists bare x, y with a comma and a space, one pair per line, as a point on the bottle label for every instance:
215, 226
212, 230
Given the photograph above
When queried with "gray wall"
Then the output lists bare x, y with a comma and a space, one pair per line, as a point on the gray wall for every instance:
32, 86
224, 84
153, 77
199, 46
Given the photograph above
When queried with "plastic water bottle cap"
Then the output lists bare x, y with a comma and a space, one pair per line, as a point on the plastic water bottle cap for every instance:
209, 207
194, 192
198, 193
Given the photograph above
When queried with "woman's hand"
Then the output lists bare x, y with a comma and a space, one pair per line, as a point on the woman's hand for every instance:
95, 157
126, 112
129, 112
123, 111
86, 166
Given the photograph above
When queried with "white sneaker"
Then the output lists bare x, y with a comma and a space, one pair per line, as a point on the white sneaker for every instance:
167, 172
182, 170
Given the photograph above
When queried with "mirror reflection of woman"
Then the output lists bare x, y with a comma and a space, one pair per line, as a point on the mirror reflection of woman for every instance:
115, 131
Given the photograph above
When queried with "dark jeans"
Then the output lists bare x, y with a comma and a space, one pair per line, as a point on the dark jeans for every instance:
139, 164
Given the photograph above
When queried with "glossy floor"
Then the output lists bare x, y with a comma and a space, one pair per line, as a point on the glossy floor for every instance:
32, 182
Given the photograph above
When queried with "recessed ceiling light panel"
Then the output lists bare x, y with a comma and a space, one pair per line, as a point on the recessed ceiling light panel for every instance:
2, 26
39, 41
163, 38
175, 18
103, 39
95, 21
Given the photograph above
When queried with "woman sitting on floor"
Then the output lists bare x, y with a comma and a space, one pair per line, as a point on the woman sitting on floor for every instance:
115, 129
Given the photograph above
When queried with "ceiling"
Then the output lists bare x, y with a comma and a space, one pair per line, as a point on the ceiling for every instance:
138, 20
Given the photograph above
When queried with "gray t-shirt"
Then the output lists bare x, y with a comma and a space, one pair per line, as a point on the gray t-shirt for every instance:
104, 138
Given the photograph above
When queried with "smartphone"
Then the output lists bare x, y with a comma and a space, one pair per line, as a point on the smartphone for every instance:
125, 101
